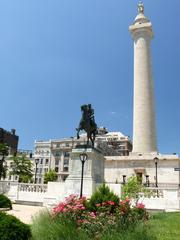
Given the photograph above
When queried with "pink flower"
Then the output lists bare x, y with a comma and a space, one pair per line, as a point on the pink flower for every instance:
92, 214
80, 221
140, 205
104, 203
98, 205
111, 203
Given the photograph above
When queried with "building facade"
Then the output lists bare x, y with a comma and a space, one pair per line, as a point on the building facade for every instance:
56, 154
10, 138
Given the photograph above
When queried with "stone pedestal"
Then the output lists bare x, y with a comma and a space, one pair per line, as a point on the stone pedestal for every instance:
93, 171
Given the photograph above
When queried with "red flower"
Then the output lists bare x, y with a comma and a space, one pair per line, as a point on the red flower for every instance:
140, 205
111, 203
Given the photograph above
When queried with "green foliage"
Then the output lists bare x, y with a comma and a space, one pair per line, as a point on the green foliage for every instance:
133, 189
140, 232
166, 225
13, 229
22, 167
46, 227
5, 202
4, 151
102, 194
50, 176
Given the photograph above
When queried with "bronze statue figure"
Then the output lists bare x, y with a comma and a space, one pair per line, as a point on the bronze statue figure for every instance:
87, 123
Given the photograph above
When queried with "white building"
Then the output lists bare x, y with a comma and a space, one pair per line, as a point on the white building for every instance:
55, 154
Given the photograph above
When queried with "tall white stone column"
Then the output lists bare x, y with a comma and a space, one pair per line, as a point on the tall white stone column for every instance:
144, 130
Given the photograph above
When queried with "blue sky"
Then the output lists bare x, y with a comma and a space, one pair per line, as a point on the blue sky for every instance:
58, 54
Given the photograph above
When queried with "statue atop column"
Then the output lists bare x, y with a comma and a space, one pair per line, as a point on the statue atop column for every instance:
87, 123
141, 7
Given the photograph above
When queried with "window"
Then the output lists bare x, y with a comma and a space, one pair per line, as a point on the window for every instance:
57, 145
64, 177
57, 154
66, 162
66, 165
56, 169
11, 164
66, 154
45, 170
41, 162
57, 162
47, 161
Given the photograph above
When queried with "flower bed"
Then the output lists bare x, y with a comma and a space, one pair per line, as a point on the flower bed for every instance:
108, 214
104, 216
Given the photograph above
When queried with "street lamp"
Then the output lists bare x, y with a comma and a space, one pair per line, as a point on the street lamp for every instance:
147, 180
1, 164
156, 162
124, 179
83, 157
36, 162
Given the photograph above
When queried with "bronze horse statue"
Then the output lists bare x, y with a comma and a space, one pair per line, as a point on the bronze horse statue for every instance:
87, 123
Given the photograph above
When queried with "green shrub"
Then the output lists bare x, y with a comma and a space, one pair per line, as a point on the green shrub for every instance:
134, 189
48, 227
5, 202
12, 228
50, 176
102, 194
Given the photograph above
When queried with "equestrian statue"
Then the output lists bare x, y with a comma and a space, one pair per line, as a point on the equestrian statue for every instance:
88, 123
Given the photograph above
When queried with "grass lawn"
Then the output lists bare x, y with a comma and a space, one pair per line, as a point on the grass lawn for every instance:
166, 226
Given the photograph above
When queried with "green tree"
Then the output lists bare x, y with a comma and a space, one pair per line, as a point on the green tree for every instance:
134, 189
4, 151
102, 194
21, 166
50, 176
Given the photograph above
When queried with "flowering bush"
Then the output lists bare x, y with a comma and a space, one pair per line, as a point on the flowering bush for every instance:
97, 216
71, 209
71, 204
140, 212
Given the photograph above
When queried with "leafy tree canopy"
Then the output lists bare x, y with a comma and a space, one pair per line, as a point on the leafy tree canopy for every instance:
50, 176
134, 189
4, 151
22, 167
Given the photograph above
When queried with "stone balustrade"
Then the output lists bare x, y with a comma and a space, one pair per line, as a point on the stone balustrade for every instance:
24, 187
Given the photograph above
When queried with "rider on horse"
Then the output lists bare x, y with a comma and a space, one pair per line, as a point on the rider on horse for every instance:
87, 123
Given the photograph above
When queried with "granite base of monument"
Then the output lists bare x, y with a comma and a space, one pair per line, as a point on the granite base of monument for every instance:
93, 171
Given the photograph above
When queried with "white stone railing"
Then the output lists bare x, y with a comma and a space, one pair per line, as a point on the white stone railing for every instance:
156, 192
4, 186
28, 187
165, 185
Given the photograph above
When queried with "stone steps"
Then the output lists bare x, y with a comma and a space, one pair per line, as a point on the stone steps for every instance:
29, 203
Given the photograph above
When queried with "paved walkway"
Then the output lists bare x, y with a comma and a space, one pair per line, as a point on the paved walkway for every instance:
24, 212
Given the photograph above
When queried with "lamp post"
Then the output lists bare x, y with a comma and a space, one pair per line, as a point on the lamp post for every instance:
1, 165
124, 179
83, 157
156, 162
147, 180
36, 163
